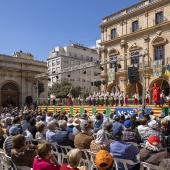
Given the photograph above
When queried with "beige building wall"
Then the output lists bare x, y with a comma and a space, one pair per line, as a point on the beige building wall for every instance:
17, 80
148, 36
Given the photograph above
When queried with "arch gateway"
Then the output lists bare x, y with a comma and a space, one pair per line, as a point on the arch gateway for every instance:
9, 94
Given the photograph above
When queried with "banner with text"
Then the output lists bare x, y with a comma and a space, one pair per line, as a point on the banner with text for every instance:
111, 74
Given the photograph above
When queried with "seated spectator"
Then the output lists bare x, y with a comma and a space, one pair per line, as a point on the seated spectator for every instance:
17, 122
14, 130
83, 140
98, 122
108, 130
26, 124
164, 127
165, 164
154, 130
103, 160
168, 117
22, 154
51, 132
45, 160
91, 124
70, 125
63, 137
8, 122
40, 134
77, 128
143, 127
38, 119
134, 121
49, 117
2, 138
83, 119
32, 128
123, 150
100, 143
117, 124
73, 160
130, 135
153, 152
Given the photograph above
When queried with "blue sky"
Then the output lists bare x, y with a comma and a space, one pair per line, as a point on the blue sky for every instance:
37, 26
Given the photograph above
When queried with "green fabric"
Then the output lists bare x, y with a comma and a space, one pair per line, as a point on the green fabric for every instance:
81, 110
93, 109
71, 110
54, 109
47, 108
61, 109
107, 111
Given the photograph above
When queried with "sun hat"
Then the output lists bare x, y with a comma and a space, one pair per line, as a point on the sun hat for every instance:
70, 121
153, 124
127, 124
117, 132
76, 122
103, 159
154, 140
85, 126
13, 130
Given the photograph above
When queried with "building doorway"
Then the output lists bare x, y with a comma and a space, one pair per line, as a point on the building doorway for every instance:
9, 94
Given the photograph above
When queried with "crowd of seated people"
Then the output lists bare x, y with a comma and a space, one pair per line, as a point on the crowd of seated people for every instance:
114, 137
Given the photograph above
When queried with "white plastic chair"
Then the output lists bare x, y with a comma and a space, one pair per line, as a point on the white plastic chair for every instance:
8, 163
124, 162
149, 166
92, 157
3, 163
86, 161
65, 150
56, 151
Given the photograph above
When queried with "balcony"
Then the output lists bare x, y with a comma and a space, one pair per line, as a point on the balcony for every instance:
110, 37
135, 29
160, 21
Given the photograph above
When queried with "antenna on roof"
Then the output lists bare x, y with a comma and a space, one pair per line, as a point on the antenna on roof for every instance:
70, 40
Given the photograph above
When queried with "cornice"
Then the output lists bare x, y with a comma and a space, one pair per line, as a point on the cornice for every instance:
130, 35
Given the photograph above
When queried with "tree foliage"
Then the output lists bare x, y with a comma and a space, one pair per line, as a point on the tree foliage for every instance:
61, 90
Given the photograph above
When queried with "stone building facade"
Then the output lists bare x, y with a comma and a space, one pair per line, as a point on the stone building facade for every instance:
145, 25
17, 80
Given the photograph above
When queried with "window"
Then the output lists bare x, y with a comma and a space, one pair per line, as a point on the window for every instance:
66, 61
72, 62
78, 78
77, 62
159, 52
53, 70
135, 26
159, 17
53, 79
57, 62
151, 1
112, 64
87, 58
96, 74
75, 55
88, 73
71, 79
91, 59
113, 33
49, 63
135, 57
69, 54
81, 56
53, 62
83, 80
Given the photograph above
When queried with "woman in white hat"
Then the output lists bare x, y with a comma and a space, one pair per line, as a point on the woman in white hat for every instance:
77, 128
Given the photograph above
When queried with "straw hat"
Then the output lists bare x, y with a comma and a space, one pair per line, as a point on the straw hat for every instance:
76, 122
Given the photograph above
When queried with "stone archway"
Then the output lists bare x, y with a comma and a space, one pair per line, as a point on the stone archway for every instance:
9, 94
133, 88
163, 84
113, 88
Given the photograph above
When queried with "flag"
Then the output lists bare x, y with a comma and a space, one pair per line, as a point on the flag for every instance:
167, 71
157, 68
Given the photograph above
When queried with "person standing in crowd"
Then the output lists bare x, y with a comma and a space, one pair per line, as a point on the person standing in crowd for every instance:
136, 97
121, 98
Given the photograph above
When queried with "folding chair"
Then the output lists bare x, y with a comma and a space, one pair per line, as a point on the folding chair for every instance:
124, 162
3, 163
149, 166
55, 148
92, 157
86, 161
65, 150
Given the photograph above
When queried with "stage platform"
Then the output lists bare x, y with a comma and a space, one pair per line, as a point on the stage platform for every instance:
109, 109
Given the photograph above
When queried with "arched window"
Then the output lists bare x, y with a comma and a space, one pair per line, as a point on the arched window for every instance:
10, 86
113, 55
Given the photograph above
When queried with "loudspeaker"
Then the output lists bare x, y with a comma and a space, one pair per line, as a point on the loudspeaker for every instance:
133, 74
